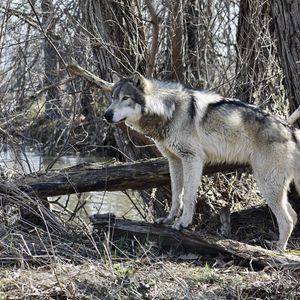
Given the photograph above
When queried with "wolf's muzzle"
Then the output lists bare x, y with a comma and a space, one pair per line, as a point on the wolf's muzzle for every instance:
109, 116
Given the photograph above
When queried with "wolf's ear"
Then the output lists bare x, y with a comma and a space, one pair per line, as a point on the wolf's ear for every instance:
138, 80
115, 77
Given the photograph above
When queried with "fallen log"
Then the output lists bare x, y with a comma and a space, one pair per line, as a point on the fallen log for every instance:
137, 175
165, 236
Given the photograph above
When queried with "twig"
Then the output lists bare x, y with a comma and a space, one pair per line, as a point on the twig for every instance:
294, 116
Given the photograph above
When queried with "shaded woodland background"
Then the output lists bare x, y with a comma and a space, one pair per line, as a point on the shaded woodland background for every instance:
246, 49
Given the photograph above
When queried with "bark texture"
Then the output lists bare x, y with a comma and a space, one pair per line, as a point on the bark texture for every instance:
51, 62
286, 17
105, 177
194, 241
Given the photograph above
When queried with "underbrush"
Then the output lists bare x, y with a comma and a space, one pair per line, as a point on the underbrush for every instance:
43, 257
76, 264
158, 279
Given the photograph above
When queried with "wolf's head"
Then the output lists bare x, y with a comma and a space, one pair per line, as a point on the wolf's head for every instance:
128, 100
135, 97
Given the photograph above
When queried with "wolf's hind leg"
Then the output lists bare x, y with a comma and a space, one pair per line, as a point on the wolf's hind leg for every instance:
275, 193
297, 185
292, 213
297, 182
176, 173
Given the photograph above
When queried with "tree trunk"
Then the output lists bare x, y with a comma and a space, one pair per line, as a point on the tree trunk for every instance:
177, 40
52, 106
94, 17
200, 55
253, 23
258, 71
286, 17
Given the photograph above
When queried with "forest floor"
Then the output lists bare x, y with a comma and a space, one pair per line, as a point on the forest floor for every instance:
146, 278
37, 264
51, 261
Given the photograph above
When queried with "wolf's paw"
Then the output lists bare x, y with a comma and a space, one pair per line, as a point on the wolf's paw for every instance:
181, 224
275, 246
165, 220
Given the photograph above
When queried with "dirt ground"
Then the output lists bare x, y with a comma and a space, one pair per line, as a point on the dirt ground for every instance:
145, 279
39, 265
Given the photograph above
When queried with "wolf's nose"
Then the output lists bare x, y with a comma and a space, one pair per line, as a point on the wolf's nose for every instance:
109, 116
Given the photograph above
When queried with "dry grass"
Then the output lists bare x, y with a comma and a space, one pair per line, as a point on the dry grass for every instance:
37, 264
144, 279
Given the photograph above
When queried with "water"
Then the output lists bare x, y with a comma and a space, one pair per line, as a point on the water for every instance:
90, 203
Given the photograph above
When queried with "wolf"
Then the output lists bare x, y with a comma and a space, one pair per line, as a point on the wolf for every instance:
193, 127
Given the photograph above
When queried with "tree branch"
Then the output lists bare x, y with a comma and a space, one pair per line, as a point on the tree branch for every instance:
294, 116
79, 71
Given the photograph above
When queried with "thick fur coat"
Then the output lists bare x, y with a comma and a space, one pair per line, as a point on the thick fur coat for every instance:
193, 128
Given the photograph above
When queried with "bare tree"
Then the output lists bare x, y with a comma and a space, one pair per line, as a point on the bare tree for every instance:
177, 54
286, 17
51, 61
259, 75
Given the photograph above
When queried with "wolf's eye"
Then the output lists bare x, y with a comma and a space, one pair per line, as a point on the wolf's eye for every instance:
125, 98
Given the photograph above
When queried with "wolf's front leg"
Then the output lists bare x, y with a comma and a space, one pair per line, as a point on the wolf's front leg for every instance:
176, 173
192, 172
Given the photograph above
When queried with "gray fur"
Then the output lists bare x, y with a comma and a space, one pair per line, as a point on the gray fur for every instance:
193, 128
